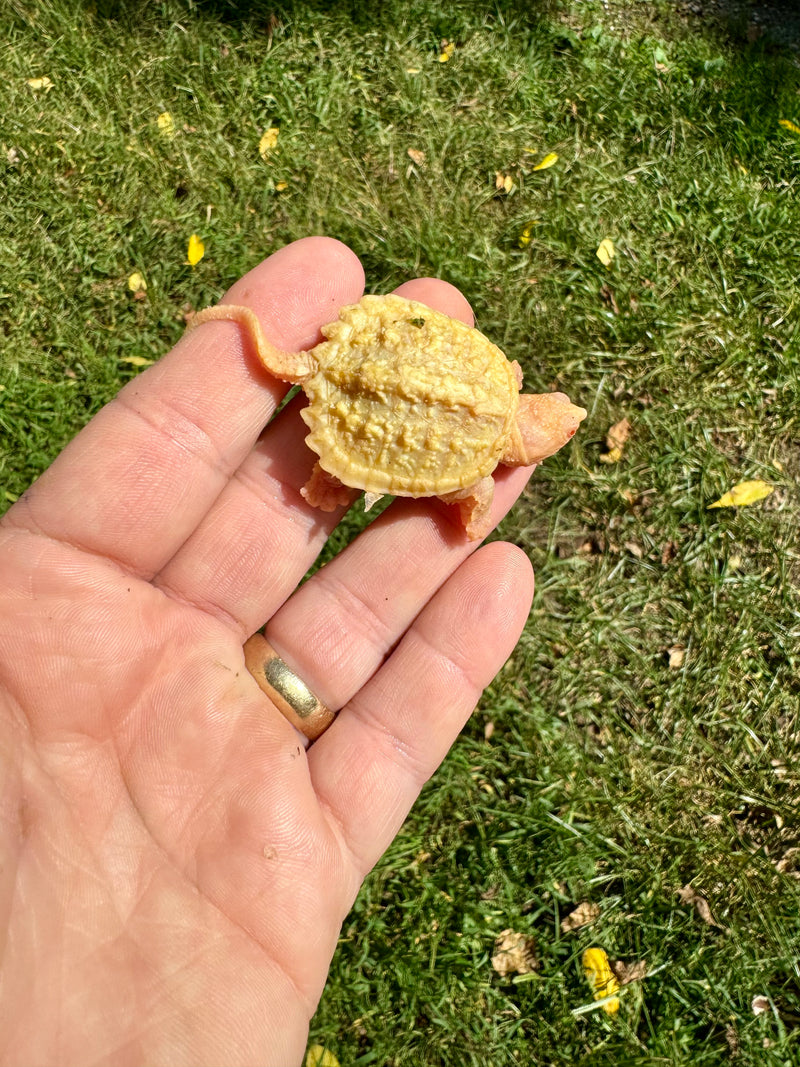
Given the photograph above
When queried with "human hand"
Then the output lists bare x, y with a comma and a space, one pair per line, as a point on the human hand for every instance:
175, 865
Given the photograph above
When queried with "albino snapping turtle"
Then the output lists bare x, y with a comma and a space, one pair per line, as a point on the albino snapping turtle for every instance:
404, 400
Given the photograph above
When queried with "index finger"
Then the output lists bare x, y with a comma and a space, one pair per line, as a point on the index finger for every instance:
137, 480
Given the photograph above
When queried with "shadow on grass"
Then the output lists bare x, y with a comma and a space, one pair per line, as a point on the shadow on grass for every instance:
771, 25
364, 14
775, 24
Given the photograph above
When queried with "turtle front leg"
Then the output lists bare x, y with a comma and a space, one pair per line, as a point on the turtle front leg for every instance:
545, 422
288, 366
474, 504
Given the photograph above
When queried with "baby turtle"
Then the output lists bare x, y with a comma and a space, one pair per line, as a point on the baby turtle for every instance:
404, 400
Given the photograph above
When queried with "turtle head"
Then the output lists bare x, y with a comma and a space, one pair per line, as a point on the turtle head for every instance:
544, 424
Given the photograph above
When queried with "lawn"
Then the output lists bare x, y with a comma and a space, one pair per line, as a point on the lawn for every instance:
639, 751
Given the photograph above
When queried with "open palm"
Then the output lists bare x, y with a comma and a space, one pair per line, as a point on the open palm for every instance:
174, 864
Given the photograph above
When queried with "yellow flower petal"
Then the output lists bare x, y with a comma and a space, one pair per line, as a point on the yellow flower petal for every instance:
136, 283
166, 125
503, 181
525, 237
614, 455
269, 138
548, 161
280, 186
40, 83
787, 125
136, 361
448, 47
601, 978
606, 251
742, 494
318, 1056
196, 250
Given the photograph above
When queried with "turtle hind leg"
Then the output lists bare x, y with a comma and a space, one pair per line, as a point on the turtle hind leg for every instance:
474, 504
325, 491
288, 366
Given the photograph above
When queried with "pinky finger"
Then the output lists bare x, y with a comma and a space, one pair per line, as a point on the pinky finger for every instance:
370, 766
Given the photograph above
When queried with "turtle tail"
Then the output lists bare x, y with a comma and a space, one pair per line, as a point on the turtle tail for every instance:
288, 366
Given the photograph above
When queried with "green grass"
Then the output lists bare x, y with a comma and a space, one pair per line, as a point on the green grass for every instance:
611, 776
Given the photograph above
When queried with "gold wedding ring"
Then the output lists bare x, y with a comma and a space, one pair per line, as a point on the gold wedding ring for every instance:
289, 693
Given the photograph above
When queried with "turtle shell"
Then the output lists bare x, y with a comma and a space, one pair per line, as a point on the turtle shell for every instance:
408, 401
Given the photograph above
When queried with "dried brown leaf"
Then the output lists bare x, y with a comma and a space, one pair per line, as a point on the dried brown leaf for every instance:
732, 1039
514, 953
676, 655
584, 915
607, 293
668, 552
629, 972
618, 434
700, 904
760, 1004
789, 863
616, 439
